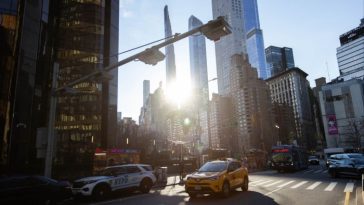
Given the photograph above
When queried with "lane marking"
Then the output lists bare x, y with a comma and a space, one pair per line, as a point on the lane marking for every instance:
347, 198
271, 184
285, 184
314, 185
261, 183
318, 171
252, 182
311, 170
325, 171
349, 187
331, 186
299, 184
272, 191
255, 183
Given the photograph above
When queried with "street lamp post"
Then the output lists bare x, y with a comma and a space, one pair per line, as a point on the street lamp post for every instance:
213, 30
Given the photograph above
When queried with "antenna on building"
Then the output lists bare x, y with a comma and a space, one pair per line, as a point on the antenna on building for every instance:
327, 70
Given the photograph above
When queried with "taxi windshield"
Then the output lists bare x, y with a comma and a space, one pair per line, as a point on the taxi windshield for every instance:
213, 167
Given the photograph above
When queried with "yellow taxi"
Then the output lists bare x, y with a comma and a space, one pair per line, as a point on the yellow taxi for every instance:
217, 177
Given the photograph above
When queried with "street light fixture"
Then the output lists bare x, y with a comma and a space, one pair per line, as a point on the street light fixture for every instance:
213, 30
216, 29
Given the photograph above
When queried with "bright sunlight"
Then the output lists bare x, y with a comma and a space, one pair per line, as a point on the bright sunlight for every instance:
179, 93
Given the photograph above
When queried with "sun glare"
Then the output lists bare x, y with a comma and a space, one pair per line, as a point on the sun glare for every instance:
179, 93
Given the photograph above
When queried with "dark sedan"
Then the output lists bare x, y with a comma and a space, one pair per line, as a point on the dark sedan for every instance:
32, 190
313, 160
347, 167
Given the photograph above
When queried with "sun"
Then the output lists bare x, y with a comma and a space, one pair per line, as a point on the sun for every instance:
179, 92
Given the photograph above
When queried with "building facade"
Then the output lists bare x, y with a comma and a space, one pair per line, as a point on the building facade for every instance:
169, 51
279, 59
234, 43
350, 54
252, 107
221, 122
342, 109
146, 91
291, 88
25, 59
254, 38
198, 66
87, 40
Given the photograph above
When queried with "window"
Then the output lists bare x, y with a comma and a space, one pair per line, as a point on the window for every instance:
132, 169
147, 168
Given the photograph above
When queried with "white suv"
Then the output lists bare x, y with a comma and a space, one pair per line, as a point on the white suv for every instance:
114, 178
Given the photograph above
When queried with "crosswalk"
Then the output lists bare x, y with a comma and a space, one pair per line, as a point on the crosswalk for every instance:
315, 171
307, 185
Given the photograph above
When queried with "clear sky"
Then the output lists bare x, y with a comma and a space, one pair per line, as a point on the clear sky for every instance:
310, 27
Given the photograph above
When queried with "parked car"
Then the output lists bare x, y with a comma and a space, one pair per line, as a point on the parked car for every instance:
129, 176
220, 176
313, 160
33, 190
336, 158
347, 167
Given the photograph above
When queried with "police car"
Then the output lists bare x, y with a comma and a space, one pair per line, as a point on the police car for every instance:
139, 176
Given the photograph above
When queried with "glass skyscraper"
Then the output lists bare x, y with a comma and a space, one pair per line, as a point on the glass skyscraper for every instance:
198, 64
254, 38
198, 60
279, 59
87, 39
169, 51
227, 46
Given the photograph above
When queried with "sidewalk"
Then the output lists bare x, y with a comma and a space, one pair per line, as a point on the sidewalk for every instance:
172, 180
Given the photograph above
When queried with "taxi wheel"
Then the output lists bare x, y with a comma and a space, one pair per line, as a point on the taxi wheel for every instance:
333, 174
245, 185
100, 192
145, 186
225, 192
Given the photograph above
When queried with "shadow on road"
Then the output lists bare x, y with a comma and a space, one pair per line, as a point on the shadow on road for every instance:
236, 197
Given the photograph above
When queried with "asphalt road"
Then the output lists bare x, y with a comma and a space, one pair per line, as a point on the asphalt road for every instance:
313, 186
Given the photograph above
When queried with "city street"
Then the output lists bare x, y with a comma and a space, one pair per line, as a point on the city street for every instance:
311, 186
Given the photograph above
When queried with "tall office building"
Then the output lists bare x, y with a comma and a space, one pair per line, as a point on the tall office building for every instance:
227, 46
169, 51
87, 36
252, 107
198, 64
292, 88
221, 118
79, 37
254, 38
279, 59
24, 82
146, 91
350, 53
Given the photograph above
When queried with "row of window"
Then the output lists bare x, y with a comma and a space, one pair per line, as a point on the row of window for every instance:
79, 99
72, 118
80, 127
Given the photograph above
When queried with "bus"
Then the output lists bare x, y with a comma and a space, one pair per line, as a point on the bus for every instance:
289, 158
